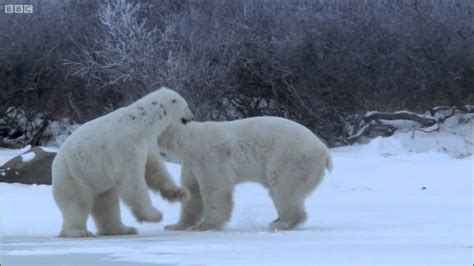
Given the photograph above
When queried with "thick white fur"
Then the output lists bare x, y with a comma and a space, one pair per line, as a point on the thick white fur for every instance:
116, 156
282, 155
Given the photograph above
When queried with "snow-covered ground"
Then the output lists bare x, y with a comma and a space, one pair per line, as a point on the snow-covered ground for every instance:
380, 206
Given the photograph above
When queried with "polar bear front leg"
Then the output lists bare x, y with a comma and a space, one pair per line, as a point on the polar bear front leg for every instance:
191, 207
159, 179
217, 204
133, 191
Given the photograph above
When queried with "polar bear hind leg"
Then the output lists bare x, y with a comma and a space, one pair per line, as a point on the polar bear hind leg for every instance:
106, 214
75, 203
288, 188
290, 208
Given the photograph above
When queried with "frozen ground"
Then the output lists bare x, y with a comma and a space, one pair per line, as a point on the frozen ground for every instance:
381, 206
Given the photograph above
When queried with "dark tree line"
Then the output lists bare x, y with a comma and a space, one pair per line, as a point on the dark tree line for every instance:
318, 62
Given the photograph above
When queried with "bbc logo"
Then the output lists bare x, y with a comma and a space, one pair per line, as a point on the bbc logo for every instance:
18, 9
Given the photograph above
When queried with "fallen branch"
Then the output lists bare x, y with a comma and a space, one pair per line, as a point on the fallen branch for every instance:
362, 131
402, 115
424, 131
372, 125
39, 133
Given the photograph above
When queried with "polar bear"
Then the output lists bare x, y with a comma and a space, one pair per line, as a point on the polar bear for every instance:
282, 155
114, 156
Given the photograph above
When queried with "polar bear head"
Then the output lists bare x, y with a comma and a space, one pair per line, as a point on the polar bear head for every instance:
165, 104
175, 106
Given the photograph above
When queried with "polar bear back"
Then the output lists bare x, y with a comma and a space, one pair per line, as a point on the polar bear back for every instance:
248, 146
262, 133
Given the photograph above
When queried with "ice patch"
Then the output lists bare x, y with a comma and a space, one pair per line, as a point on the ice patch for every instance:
26, 157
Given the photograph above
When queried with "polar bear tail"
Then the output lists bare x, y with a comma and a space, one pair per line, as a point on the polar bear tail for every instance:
329, 164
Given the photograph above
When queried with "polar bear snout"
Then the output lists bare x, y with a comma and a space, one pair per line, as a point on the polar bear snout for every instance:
188, 116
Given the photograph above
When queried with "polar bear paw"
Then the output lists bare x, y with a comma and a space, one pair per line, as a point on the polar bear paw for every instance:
129, 230
203, 227
76, 233
176, 227
174, 194
148, 215
125, 230
279, 225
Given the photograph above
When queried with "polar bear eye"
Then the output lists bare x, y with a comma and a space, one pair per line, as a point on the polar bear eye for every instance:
174, 101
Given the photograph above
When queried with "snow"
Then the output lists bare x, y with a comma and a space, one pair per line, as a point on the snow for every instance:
7, 154
454, 137
383, 204
26, 157
50, 149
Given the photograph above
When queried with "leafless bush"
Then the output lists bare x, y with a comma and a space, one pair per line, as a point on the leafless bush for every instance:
125, 55
317, 62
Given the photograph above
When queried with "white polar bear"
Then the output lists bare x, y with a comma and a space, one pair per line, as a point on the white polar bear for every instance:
284, 156
114, 156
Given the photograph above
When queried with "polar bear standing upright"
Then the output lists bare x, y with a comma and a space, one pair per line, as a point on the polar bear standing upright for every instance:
282, 155
114, 156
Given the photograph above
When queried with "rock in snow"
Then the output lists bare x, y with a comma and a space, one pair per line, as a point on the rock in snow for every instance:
30, 167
